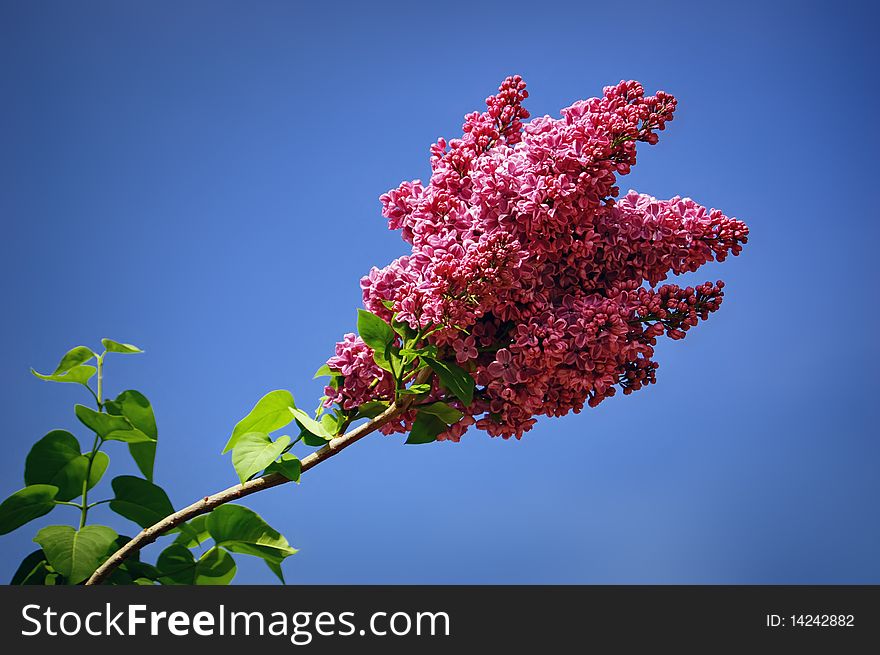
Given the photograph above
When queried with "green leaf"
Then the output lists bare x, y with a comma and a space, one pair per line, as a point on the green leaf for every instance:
371, 409
25, 505
116, 347
74, 357
272, 412
426, 351
325, 371
254, 451
110, 427
78, 374
144, 455
455, 378
56, 460
215, 567
177, 566
311, 440
139, 500
241, 530
275, 567
131, 436
444, 412
288, 466
99, 467
32, 570
330, 423
425, 429
75, 554
197, 533
134, 406
416, 390
309, 424
377, 334
140, 569
407, 334
131, 569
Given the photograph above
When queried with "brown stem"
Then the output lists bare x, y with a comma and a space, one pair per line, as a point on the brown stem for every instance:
206, 504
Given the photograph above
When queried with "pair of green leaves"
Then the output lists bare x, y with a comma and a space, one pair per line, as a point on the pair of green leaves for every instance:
234, 529
73, 366
129, 419
253, 450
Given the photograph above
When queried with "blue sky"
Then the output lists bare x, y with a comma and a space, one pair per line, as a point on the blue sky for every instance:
202, 179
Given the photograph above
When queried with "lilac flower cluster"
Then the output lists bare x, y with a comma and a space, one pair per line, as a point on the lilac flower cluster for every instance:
529, 272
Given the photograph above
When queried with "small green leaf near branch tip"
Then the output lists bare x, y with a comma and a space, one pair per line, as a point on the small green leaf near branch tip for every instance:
117, 347
78, 374
254, 451
25, 505
272, 412
311, 440
289, 466
326, 371
73, 358
309, 424
75, 554
332, 423
425, 429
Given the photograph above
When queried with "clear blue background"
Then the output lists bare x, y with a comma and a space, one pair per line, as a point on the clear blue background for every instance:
201, 179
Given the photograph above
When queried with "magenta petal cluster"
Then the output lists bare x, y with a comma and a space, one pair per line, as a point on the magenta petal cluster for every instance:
544, 283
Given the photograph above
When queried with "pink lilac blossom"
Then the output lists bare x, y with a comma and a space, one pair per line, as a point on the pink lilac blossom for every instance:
544, 284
